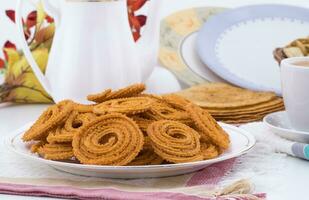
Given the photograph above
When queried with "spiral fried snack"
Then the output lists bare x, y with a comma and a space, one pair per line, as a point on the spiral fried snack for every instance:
77, 121
132, 105
176, 101
174, 141
34, 147
209, 151
58, 135
208, 127
164, 108
142, 122
50, 118
111, 139
82, 108
81, 119
147, 156
66, 131
100, 97
130, 91
63, 151
163, 111
154, 97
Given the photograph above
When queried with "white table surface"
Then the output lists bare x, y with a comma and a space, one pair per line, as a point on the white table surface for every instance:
294, 184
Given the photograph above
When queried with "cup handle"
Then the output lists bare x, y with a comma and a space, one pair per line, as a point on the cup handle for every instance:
26, 50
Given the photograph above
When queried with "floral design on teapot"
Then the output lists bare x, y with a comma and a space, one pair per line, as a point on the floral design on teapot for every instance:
20, 84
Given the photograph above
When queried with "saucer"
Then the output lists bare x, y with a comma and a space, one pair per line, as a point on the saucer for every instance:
279, 124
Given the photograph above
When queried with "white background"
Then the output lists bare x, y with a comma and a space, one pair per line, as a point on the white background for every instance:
7, 28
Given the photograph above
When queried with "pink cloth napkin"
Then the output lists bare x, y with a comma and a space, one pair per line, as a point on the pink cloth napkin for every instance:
209, 176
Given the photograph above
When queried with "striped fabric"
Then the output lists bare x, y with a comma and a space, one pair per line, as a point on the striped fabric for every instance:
197, 186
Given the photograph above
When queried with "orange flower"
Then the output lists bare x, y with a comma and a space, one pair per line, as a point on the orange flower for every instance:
2, 64
135, 5
136, 22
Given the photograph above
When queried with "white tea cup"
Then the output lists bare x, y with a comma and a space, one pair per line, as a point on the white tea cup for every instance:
295, 90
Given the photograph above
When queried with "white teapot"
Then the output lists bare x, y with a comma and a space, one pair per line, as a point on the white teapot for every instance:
93, 48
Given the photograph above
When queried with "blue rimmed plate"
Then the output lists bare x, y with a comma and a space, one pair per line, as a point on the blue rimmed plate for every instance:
238, 44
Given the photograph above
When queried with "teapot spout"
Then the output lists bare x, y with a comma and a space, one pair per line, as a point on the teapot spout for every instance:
148, 44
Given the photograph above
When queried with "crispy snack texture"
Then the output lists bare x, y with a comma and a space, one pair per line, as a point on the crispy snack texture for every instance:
208, 127
63, 151
147, 156
174, 141
131, 105
50, 118
128, 128
112, 139
130, 91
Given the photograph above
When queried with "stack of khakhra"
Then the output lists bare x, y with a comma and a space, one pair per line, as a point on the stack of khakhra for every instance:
231, 104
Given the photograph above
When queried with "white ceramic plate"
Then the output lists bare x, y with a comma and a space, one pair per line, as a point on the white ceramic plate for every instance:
177, 45
279, 124
193, 61
238, 44
241, 142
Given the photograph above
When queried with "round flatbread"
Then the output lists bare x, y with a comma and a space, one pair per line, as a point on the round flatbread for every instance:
221, 96
248, 112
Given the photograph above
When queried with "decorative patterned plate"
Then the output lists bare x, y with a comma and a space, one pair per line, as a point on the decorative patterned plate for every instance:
177, 45
238, 44
241, 142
